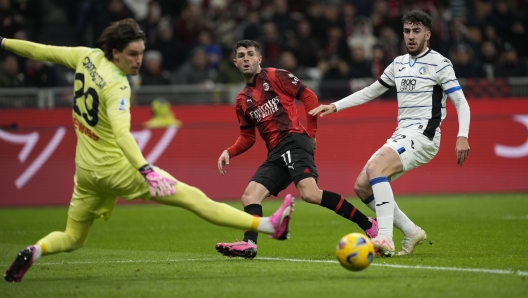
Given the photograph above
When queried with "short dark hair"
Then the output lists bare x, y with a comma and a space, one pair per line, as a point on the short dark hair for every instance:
246, 43
416, 17
118, 35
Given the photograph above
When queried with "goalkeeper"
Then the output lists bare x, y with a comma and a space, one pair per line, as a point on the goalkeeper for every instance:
108, 161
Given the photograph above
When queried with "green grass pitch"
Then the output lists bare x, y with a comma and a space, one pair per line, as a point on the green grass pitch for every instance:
477, 247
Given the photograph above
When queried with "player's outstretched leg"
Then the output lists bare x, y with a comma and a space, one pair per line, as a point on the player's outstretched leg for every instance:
279, 222
22, 263
345, 209
410, 241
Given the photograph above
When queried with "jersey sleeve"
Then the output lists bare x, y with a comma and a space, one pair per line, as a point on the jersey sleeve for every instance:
117, 99
67, 56
127, 143
387, 78
310, 102
362, 96
288, 83
447, 79
368, 93
246, 138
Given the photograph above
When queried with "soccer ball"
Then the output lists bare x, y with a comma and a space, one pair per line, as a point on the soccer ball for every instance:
355, 251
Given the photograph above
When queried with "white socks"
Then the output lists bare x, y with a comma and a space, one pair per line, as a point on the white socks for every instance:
370, 203
400, 220
37, 253
265, 226
384, 199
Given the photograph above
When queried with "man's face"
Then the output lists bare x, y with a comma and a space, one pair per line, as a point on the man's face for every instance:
247, 60
416, 36
130, 59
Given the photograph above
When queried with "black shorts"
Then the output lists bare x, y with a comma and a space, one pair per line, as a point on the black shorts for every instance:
291, 161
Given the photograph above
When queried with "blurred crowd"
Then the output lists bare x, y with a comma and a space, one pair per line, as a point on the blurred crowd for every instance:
190, 42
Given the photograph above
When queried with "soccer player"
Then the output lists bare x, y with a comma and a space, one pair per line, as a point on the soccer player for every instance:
108, 161
267, 102
423, 79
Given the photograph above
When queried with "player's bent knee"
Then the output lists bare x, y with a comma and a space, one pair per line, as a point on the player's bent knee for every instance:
372, 170
361, 188
311, 197
250, 198
76, 242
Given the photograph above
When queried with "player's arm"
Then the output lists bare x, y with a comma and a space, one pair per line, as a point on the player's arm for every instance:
158, 184
362, 96
246, 139
66, 56
463, 112
309, 99
118, 111
450, 85
127, 143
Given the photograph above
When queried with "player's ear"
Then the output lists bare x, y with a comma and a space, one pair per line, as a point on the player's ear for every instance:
233, 55
115, 54
428, 35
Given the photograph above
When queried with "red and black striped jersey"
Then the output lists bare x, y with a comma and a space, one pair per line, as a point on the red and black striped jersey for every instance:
269, 104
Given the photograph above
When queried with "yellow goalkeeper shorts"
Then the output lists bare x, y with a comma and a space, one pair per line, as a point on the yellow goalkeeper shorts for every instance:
95, 192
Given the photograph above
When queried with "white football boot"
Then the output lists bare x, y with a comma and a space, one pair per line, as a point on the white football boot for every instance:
410, 241
383, 245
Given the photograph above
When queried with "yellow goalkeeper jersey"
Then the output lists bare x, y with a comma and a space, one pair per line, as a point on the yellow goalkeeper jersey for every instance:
101, 95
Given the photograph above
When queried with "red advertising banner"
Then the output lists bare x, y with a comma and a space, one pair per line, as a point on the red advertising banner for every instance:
37, 158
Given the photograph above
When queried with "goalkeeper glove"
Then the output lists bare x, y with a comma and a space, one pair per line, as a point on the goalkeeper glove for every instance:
157, 183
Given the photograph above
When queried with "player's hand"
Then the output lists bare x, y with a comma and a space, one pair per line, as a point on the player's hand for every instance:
314, 143
159, 185
462, 150
324, 110
222, 161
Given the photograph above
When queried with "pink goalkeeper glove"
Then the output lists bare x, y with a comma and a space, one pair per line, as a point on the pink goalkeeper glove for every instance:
157, 183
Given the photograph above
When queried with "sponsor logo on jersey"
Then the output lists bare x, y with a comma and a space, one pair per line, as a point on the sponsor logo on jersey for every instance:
408, 84
122, 104
85, 130
402, 68
265, 110
423, 70
265, 86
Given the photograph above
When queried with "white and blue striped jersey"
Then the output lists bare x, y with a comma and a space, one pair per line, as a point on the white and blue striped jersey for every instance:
423, 84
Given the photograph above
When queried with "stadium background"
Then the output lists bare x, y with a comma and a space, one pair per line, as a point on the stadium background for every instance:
335, 47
